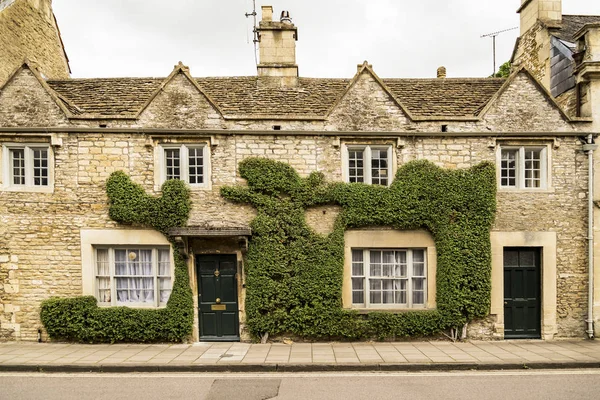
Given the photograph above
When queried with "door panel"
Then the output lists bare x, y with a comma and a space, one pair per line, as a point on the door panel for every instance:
522, 305
217, 297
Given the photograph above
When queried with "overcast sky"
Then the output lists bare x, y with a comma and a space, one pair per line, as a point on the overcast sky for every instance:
401, 38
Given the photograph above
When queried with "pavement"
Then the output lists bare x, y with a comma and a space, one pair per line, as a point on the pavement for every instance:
299, 357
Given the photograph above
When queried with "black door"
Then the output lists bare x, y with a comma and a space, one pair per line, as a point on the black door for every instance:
522, 318
217, 297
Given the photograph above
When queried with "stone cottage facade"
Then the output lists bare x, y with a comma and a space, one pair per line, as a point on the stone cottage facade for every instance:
563, 52
61, 139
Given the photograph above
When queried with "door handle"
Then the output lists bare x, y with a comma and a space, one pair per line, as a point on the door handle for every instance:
218, 300
506, 303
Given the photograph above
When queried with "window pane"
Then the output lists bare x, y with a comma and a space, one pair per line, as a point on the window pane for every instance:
355, 164
379, 166
40, 167
18, 166
508, 168
375, 264
173, 164
196, 165
358, 293
164, 263
532, 168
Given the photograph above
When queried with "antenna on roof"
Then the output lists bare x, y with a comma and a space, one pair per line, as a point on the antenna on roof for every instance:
254, 30
493, 36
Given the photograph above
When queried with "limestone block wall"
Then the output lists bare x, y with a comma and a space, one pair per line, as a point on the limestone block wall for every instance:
533, 52
28, 30
40, 254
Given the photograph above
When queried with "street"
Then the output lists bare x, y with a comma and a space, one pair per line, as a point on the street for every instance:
526, 384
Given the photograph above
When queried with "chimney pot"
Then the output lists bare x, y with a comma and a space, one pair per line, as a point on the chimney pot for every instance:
441, 72
267, 13
285, 17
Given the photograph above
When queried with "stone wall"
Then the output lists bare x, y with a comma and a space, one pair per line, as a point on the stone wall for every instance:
28, 31
40, 250
533, 52
41, 255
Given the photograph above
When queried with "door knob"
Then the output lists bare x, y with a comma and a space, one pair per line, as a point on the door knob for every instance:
506, 303
217, 273
218, 300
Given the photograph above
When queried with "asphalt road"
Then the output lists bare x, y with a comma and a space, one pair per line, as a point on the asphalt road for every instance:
563, 384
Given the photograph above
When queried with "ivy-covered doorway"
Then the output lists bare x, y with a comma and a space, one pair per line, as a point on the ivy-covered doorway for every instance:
218, 310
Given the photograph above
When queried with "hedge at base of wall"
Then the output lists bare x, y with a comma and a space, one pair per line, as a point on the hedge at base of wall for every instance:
294, 276
80, 319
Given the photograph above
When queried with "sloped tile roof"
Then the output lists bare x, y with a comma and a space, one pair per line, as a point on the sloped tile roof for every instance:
572, 23
444, 97
259, 97
264, 96
106, 96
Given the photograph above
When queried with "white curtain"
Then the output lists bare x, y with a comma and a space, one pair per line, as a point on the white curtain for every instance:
121, 270
164, 273
103, 275
146, 281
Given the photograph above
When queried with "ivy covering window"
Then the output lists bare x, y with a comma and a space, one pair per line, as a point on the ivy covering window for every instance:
389, 278
27, 166
185, 162
368, 164
523, 167
133, 276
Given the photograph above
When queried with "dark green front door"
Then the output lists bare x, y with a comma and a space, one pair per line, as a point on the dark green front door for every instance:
522, 293
217, 297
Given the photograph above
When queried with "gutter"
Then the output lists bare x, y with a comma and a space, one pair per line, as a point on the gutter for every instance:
10, 131
589, 148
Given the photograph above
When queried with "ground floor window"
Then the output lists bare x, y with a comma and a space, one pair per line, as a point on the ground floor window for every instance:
389, 278
133, 276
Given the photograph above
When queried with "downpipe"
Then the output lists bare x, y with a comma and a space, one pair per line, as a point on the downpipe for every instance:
589, 148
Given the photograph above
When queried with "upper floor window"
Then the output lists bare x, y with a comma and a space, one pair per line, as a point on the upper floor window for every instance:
394, 278
133, 276
27, 167
188, 162
368, 164
523, 167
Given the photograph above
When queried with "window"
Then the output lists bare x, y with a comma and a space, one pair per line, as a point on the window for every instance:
187, 162
133, 276
368, 164
394, 278
27, 167
523, 167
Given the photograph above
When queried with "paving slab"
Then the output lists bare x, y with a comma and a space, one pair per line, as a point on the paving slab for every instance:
345, 356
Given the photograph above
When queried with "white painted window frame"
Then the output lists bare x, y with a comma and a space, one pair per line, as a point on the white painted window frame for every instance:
160, 159
119, 238
7, 170
367, 151
545, 177
409, 287
111, 262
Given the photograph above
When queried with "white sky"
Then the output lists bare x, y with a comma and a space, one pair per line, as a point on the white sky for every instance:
401, 38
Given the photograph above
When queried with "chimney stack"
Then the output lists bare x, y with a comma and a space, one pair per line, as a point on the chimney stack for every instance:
441, 72
277, 43
547, 11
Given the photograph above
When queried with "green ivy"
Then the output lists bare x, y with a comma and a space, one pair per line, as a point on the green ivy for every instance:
80, 319
294, 275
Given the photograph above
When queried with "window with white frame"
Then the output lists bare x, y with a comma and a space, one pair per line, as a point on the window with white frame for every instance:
188, 162
27, 166
368, 164
133, 276
523, 167
390, 278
